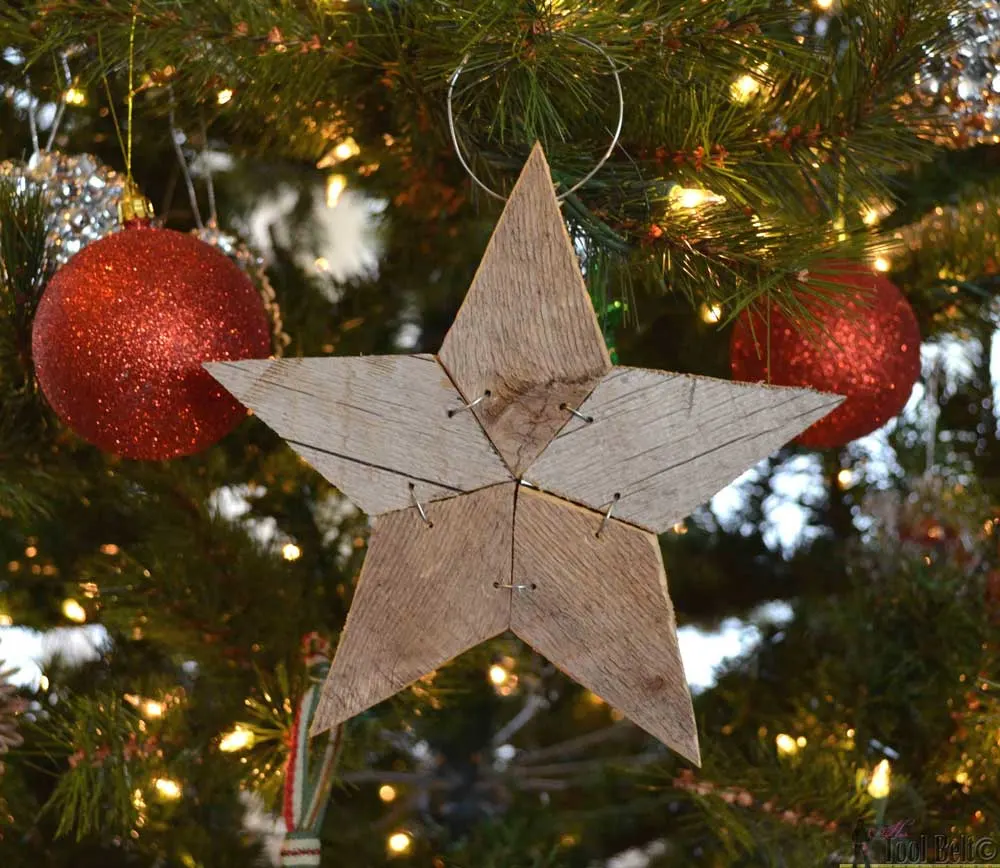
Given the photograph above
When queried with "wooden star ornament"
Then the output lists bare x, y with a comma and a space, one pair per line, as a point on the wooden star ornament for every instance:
518, 480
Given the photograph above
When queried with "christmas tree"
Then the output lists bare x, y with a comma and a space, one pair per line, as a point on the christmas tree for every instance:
799, 194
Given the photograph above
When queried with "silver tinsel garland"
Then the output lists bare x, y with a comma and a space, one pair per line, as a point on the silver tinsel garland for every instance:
963, 88
83, 196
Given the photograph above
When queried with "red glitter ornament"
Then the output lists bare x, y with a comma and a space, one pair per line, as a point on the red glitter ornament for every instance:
867, 350
121, 333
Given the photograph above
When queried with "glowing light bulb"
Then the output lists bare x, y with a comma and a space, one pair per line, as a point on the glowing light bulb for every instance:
692, 198
961, 777
109, 549
387, 793
346, 149
399, 843
498, 675
825, 5
744, 89
6, 620
75, 96
237, 739
74, 611
801, 741
291, 552
710, 313
335, 186
870, 217
845, 478
224, 96
882, 264
152, 708
167, 789
880, 784
787, 746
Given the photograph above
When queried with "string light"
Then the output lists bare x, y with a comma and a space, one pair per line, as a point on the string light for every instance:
710, 313
498, 675
692, 198
224, 96
291, 552
341, 151
787, 746
744, 89
109, 549
75, 96
152, 708
870, 217
825, 5
74, 611
399, 843
882, 264
6, 620
237, 739
335, 186
845, 478
167, 789
387, 793
880, 784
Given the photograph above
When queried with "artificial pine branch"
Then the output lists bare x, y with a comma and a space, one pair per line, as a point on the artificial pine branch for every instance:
22, 267
811, 150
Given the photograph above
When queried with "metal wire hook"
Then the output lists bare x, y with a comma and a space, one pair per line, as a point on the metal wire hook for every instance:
607, 154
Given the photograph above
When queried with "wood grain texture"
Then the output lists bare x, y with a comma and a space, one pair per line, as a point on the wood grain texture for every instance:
371, 425
426, 594
600, 612
526, 331
667, 442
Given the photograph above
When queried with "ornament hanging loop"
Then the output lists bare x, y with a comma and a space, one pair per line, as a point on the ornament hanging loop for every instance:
580, 40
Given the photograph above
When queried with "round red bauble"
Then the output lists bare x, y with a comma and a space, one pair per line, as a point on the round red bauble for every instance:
867, 350
121, 333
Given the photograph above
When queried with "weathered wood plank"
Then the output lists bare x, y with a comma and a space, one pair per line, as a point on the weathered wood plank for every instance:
667, 442
371, 425
526, 332
599, 610
426, 594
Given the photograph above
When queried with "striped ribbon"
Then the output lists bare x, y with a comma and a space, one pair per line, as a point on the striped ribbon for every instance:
309, 779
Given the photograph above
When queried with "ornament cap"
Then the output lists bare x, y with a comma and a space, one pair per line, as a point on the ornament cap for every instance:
134, 205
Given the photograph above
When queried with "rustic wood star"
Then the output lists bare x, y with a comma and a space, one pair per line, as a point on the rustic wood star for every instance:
519, 480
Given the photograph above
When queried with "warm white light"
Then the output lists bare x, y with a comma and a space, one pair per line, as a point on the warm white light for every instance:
882, 264
961, 777
5, 620
387, 793
239, 738
879, 785
74, 611
691, 198
845, 478
346, 149
787, 746
224, 96
335, 186
824, 4
711, 313
291, 552
744, 89
399, 842
75, 96
167, 789
870, 217
498, 675
43, 682
801, 741
152, 708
